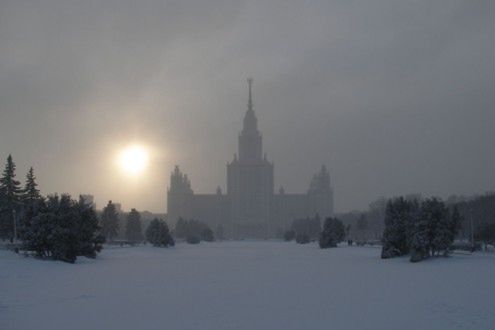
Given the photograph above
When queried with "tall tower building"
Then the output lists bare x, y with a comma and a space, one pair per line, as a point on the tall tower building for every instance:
320, 194
250, 181
250, 139
249, 208
179, 197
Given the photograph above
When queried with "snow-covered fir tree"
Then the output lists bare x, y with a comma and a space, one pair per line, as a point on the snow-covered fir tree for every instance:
30, 193
133, 231
420, 240
10, 198
332, 234
289, 235
486, 234
109, 222
158, 234
88, 230
62, 229
400, 217
207, 235
434, 231
443, 237
455, 223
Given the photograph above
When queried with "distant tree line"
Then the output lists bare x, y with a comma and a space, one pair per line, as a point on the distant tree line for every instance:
486, 234
367, 226
61, 228
310, 229
478, 217
422, 229
157, 233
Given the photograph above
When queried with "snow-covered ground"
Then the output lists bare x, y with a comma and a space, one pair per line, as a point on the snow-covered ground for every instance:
247, 285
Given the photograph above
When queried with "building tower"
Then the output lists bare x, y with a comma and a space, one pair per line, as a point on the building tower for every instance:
249, 208
179, 197
250, 145
320, 194
250, 181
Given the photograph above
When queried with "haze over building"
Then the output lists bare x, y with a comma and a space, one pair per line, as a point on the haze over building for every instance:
250, 208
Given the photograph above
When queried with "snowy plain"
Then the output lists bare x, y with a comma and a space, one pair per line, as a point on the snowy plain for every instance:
247, 285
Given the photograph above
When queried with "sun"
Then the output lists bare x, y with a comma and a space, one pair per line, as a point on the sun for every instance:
134, 160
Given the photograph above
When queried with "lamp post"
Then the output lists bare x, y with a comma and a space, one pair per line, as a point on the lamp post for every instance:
471, 225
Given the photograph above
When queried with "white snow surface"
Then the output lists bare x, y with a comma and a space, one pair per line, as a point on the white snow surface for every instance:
247, 285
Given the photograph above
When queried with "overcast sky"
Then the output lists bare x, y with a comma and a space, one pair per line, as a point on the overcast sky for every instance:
395, 97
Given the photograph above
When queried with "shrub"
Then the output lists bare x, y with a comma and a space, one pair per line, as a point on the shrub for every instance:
189, 228
289, 235
193, 239
302, 238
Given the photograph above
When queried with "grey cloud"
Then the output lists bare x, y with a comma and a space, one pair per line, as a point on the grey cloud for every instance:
395, 97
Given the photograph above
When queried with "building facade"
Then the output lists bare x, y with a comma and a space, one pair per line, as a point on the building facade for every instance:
250, 208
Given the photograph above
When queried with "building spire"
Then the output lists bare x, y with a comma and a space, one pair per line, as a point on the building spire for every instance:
250, 147
250, 120
250, 101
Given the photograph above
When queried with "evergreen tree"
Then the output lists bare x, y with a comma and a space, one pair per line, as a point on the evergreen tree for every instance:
443, 236
302, 238
432, 211
109, 222
62, 229
88, 230
30, 193
486, 234
479, 210
65, 236
207, 235
332, 234
193, 239
158, 234
400, 218
434, 231
289, 235
10, 197
38, 229
420, 239
133, 231
455, 223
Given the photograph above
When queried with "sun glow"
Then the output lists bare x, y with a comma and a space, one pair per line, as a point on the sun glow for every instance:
134, 160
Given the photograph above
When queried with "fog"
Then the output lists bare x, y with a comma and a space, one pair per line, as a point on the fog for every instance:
395, 97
